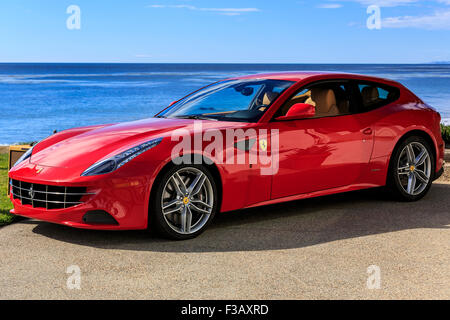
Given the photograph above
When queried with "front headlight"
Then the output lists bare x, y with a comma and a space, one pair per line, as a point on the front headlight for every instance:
25, 156
115, 162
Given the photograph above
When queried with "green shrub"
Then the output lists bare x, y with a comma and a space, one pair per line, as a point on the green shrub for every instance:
5, 204
445, 130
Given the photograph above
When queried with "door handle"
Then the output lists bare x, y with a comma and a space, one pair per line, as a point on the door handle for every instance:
367, 131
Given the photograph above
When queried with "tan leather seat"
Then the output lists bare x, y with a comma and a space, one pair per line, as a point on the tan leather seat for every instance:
301, 98
269, 97
310, 101
369, 95
325, 102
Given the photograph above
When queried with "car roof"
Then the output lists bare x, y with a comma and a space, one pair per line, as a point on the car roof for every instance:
314, 75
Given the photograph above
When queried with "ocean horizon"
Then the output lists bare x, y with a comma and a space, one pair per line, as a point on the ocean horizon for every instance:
38, 98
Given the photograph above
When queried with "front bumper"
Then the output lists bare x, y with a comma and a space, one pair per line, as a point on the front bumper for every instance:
123, 198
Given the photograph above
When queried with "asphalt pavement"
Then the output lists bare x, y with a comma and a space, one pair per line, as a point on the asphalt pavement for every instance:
320, 248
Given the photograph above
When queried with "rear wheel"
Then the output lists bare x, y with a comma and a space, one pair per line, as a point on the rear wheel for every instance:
184, 203
411, 169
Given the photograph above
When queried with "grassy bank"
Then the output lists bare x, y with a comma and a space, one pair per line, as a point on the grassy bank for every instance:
5, 204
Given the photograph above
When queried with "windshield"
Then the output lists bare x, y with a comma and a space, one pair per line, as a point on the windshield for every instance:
231, 100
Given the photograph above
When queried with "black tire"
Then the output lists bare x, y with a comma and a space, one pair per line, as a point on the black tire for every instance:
157, 220
394, 181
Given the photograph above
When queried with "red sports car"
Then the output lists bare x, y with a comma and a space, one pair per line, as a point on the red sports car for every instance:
237, 143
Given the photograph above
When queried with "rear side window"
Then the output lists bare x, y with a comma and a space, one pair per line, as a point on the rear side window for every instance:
374, 95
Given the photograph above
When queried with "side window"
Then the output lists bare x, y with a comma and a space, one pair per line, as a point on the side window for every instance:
375, 95
329, 99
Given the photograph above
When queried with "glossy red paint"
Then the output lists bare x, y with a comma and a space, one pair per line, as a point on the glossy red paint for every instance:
336, 154
299, 111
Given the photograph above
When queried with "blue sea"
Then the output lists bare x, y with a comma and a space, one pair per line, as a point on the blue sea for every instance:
36, 99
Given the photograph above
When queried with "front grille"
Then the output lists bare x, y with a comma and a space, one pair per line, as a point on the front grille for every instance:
46, 196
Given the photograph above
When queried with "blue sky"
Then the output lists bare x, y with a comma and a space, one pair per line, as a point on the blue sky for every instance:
241, 31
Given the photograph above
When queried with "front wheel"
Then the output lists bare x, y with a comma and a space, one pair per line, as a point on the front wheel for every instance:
185, 202
411, 169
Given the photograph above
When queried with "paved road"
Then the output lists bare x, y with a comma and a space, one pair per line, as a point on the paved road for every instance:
316, 248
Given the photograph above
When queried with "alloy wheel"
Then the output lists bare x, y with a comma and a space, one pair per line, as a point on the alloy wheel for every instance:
187, 200
414, 168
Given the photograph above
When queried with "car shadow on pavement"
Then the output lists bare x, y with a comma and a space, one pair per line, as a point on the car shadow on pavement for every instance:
288, 225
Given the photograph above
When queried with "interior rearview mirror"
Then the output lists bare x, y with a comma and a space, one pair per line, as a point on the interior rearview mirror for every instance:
247, 91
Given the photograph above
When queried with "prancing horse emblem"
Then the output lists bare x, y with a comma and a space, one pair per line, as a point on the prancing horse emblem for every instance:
263, 144
31, 192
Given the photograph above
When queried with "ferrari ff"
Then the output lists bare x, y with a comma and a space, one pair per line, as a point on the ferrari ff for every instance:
319, 134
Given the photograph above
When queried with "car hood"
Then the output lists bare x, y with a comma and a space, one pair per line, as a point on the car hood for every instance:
90, 146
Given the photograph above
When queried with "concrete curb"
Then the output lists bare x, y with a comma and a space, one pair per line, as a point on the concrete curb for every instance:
447, 155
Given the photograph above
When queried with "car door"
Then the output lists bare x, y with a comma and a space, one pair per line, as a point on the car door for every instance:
322, 152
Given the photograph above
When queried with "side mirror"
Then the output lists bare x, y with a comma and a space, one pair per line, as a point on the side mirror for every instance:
299, 111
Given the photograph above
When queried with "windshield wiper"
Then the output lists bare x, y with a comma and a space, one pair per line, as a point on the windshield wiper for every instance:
195, 117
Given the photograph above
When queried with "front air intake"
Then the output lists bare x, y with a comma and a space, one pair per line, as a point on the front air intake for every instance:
99, 217
47, 196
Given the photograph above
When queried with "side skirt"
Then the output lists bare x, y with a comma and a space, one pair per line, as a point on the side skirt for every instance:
352, 187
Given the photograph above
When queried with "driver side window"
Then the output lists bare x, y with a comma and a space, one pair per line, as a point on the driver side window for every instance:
329, 99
